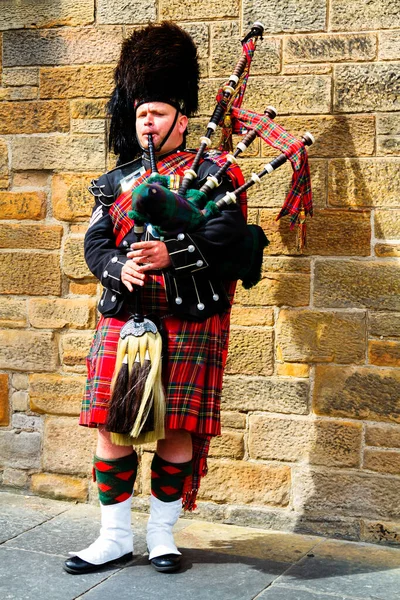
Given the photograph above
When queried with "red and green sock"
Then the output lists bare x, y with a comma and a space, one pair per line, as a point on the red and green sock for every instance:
115, 477
167, 478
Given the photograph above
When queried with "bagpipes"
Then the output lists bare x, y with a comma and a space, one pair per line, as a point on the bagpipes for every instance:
137, 406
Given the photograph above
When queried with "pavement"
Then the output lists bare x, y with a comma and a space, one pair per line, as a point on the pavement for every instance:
220, 562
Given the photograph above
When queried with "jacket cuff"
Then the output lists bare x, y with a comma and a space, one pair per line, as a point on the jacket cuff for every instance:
185, 255
111, 274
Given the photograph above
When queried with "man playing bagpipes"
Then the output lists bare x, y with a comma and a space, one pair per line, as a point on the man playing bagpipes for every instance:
156, 363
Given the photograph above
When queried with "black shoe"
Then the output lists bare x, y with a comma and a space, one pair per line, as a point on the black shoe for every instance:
167, 563
77, 566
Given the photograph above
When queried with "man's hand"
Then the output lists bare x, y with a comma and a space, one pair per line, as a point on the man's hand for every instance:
144, 256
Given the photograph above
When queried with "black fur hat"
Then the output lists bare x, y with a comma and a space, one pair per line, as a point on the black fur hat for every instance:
157, 64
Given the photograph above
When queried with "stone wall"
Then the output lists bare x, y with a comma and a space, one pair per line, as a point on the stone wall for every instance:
311, 405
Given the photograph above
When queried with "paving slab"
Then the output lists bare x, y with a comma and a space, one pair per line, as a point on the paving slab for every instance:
21, 513
73, 530
33, 576
359, 571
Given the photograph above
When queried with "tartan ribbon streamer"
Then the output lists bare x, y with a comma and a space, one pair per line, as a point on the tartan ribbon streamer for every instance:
300, 195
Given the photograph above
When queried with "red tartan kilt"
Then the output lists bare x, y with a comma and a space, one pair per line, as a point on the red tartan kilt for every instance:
192, 373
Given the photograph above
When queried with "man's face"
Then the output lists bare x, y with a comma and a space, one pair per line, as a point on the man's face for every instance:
156, 118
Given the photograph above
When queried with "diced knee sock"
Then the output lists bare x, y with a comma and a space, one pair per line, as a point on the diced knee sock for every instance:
115, 477
167, 478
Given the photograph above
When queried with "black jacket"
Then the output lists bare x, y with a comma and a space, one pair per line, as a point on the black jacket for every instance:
193, 282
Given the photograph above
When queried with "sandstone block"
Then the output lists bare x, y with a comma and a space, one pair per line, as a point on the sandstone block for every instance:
384, 354
4, 401
388, 124
88, 81
109, 12
357, 284
327, 443
44, 13
59, 487
20, 381
233, 419
31, 179
67, 447
226, 45
285, 264
367, 393
56, 394
74, 264
299, 94
22, 205
381, 531
330, 47
313, 336
272, 394
19, 235
20, 401
387, 224
62, 312
34, 117
61, 46
17, 94
20, 450
247, 316
292, 15
83, 288
312, 94
88, 109
238, 482
389, 45
364, 182
279, 289
70, 197
388, 145
384, 324
308, 69
387, 250
33, 273
28, 351
26, 422
3, 164
12, 313
382, 461
338, 492
198, 11
363, 15
329, 232
58, 152
15, 478
75, 347
387, 436
292, 370
368, 87
250, 352
20, 77
229, 445
88, 126
274, 190
335, 136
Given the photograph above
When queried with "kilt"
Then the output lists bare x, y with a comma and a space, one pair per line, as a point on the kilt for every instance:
193, 360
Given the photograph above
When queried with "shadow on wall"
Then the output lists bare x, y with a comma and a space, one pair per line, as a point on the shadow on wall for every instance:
334, 492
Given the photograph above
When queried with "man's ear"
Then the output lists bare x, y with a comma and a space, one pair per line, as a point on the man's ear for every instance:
182, 123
